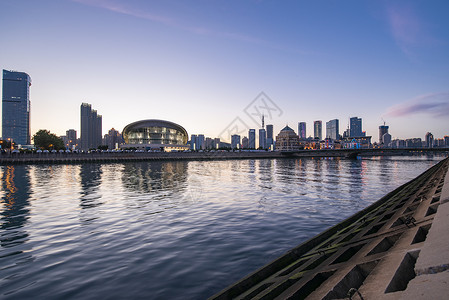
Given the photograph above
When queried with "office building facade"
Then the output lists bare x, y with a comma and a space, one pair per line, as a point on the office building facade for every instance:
302, 133
252, 139
235, 141
332, 130
355, 127
318, 130
262, 138
91, 127
382, 130
71, 142
16, 107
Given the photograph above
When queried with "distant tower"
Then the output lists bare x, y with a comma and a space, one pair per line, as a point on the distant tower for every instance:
382, 130
355, 129
429, 140
332, 129
318, 130
252, 139
302, 130
16, 107
263, 122
91, 127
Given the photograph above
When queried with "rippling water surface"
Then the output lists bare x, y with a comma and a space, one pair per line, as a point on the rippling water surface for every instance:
172, 230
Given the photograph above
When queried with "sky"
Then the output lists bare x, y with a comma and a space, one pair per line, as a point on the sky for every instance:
215, 67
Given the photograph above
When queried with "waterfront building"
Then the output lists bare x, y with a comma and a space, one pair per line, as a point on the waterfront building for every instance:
446, 140
287, 140
193, 142
155, 134
209, 143
200, 142
245, 143
270, 137
252, 139
217, 143
355, 127
113, 139
361, 142
71, 140
318, 130
16, 107
262, 138
382, 130
413, 143
235, 141
332, 130
386, 140
91, 127
302, 130
429, 140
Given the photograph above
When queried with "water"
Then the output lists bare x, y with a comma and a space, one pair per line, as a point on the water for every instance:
172, 230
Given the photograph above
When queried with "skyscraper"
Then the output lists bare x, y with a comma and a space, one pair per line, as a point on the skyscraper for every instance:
235, 141
252, 139
16, 107
318, 130
91, 127
429, 140
302, 130
355, 127
332, 129
270, 140
382, 130
262, 138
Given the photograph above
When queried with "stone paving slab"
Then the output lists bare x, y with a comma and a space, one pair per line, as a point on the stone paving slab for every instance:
434, 256
429, 286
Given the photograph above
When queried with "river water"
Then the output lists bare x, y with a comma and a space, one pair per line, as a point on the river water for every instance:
172, 230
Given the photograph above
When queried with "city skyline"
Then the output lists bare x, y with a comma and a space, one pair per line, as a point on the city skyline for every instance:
314, 65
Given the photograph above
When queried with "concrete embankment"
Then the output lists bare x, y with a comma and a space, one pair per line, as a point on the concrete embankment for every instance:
397, 248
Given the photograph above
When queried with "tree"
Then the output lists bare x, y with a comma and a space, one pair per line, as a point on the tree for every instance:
43, 139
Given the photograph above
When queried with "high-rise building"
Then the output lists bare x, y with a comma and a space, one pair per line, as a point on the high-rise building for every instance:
200, 142
193, 142
386, 140
216, 143
270, 138
245, 143
302, 130
429, 140
252, 139
16, 107
318, 130
382, 130
91, 127
332, 129
113, 139
262, 138
235, 141
71, 142
355, 127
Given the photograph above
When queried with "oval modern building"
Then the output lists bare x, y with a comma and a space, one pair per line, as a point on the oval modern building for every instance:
155, 134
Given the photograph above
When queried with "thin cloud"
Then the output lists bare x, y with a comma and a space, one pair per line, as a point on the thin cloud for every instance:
122, 9
407, 28
434, 105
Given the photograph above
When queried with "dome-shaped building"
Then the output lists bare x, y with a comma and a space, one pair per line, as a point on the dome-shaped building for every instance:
155, 134
287, 140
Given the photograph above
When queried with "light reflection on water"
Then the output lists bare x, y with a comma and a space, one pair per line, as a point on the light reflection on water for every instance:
172, 229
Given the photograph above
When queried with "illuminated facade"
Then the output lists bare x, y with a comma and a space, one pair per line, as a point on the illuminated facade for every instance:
155, 134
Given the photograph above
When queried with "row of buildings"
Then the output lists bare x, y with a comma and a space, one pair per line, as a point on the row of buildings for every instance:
167, 136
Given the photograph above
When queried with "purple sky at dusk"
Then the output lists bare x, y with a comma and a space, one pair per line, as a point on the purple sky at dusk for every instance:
201, 64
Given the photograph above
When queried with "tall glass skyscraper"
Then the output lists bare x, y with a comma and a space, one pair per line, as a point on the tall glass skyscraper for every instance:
355, 127
252, 139
302, 130
318, 130
332, 129
16, 107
